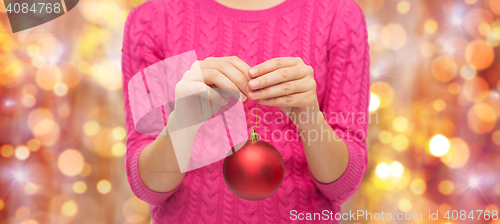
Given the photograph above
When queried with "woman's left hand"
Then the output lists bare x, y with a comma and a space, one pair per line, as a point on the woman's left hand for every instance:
287, 83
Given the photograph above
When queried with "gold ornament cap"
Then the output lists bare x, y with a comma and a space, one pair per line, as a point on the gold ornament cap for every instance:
254, 136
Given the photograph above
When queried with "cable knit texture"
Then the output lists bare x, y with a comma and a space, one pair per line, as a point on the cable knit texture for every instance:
328, 35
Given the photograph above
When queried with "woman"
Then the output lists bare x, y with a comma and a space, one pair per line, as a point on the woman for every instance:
294, 56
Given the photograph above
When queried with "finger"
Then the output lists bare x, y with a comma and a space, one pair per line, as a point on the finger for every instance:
215, 77
186, 88
239, 64
275, 77
292, 100
282, 89
228, 69
272, 65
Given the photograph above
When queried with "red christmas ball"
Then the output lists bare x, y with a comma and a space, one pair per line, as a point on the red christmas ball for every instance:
255, 171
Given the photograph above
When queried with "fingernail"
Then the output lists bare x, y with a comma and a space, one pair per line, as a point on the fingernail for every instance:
248, 89
262, 101
255, 94
223, 101
254, 83
253, 71
243, 97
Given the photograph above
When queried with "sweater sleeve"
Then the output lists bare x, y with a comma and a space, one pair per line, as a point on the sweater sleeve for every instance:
346, 105
140, 50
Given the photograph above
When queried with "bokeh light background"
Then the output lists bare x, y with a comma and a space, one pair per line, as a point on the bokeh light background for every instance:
435, 88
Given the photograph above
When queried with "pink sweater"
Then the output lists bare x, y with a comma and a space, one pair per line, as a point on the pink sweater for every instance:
328, 35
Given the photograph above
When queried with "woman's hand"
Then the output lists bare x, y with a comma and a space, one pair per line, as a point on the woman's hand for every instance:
287, 83
195, 99
224, 72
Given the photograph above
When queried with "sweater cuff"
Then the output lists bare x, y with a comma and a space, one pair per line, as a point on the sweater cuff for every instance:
344, 187
140, 189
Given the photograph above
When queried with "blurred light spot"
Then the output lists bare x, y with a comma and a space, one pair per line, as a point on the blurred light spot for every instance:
444, 68
70, 162
470, 2
9, 103
29, 89
119, 149
33, 145
439, 105
38, 115
385, 137
38, 61
404, 205
108, 74
384, 92
86, 171
458, 155
30, 221
403, 7
475, 89
491, 208
69, 208
374, 102
446, 187
63, 111
479, 54
22, 153
2, 204
397, 169
135, 210
473, 182
383, 170
468, 72
91, 128
119, 133
431, 26
31, 188
400, 124
23, 213
427, 49
72, 76
443, 208
60, 89
497, 189
456, 20
43, 127
393, 36
374, 32
484, 29
481, 118
48, 76
439, 145
495, 137
418, 186
485, 112
28, 101
495, 6
7, 151
32, 50
12, 68
368, 6
104, 186
19, 176
400, 143
473, 22
79, 187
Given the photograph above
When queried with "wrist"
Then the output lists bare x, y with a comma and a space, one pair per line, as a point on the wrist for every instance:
309, 119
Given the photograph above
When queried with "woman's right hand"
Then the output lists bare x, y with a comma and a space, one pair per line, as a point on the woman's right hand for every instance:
222, 72
195, 99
